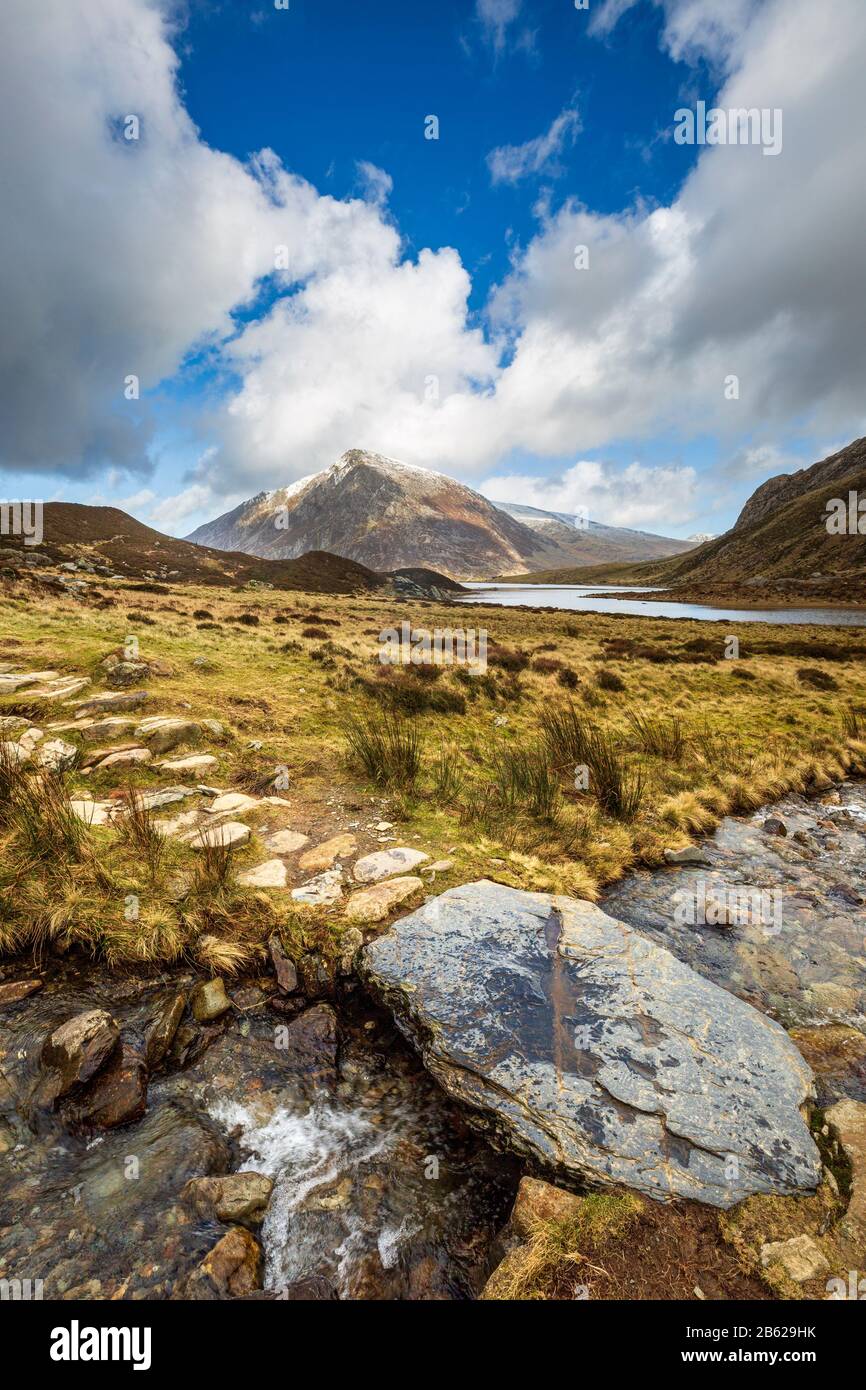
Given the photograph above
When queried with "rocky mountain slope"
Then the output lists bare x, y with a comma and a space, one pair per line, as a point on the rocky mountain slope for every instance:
779, 541
105, 541
384, 513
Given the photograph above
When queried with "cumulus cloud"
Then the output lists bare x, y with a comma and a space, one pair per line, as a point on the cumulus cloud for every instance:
117, 255
376, 183
511, 163
634, 496
125, 257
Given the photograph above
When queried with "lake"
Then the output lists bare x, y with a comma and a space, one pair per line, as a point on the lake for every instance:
584, 598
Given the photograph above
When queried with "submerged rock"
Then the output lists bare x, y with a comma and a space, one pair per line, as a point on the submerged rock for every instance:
584, 1044
238, 1197
76, 1050
209, 1000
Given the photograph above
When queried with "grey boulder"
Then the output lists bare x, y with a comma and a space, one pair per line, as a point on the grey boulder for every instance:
579, 1042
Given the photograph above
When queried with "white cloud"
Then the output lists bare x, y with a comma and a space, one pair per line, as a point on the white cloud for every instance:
496, 16
634, 496
375, 182
692, 28
141, 254
511, 163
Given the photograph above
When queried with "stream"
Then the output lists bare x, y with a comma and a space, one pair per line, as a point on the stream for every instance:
382, 1189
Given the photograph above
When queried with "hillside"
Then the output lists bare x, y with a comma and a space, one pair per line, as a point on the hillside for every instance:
113, 543
779, 544
387, 514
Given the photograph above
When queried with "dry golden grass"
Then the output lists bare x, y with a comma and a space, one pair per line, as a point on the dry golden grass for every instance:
684, 741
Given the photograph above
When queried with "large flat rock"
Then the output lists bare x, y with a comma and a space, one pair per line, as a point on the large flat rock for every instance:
582, 1043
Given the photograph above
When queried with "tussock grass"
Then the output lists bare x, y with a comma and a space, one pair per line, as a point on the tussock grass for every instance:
386, 747
664, 738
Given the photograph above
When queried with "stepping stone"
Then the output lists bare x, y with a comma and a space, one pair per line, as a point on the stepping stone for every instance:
109, 701
92, 812
271, 874
98, 729
58, 690
231, 801
10, 723
57, 755
440, 867
17, 681
162, 733
179, 827
153, 800
325, 888
286, 841
198, 762
96, 755
373, 903
324, 855
125, 756
230, 833
387, 861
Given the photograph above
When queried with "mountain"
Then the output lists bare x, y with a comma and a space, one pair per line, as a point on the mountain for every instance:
780, 541
595, 540
387, 514
107, 541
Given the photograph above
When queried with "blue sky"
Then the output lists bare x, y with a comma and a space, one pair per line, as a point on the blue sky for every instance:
414, 261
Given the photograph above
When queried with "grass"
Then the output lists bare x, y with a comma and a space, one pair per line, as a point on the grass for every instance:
478, 765
571, 1247
385, 746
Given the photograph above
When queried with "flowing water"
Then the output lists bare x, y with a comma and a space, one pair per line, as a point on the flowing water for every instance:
585, 598
382, 1189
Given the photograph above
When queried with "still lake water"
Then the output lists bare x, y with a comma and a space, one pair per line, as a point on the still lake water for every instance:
584, 598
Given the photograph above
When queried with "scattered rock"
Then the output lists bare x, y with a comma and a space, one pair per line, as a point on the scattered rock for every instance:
324, 888
231, 832
126, 673
126, 756
284, 969
92, 812
540, 1201
162, 733
324, 855
16, 990
209, 1000
373, 903
107, 702
586, 1045
387, 861
197, 762
57, 755
286, 841
232, 1269
231, 801
117, 1095
800, 1258
238, 1197
99, 729
774, 825
159, 1033
309, 1045
847, 1118
76, 1050
271, 874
